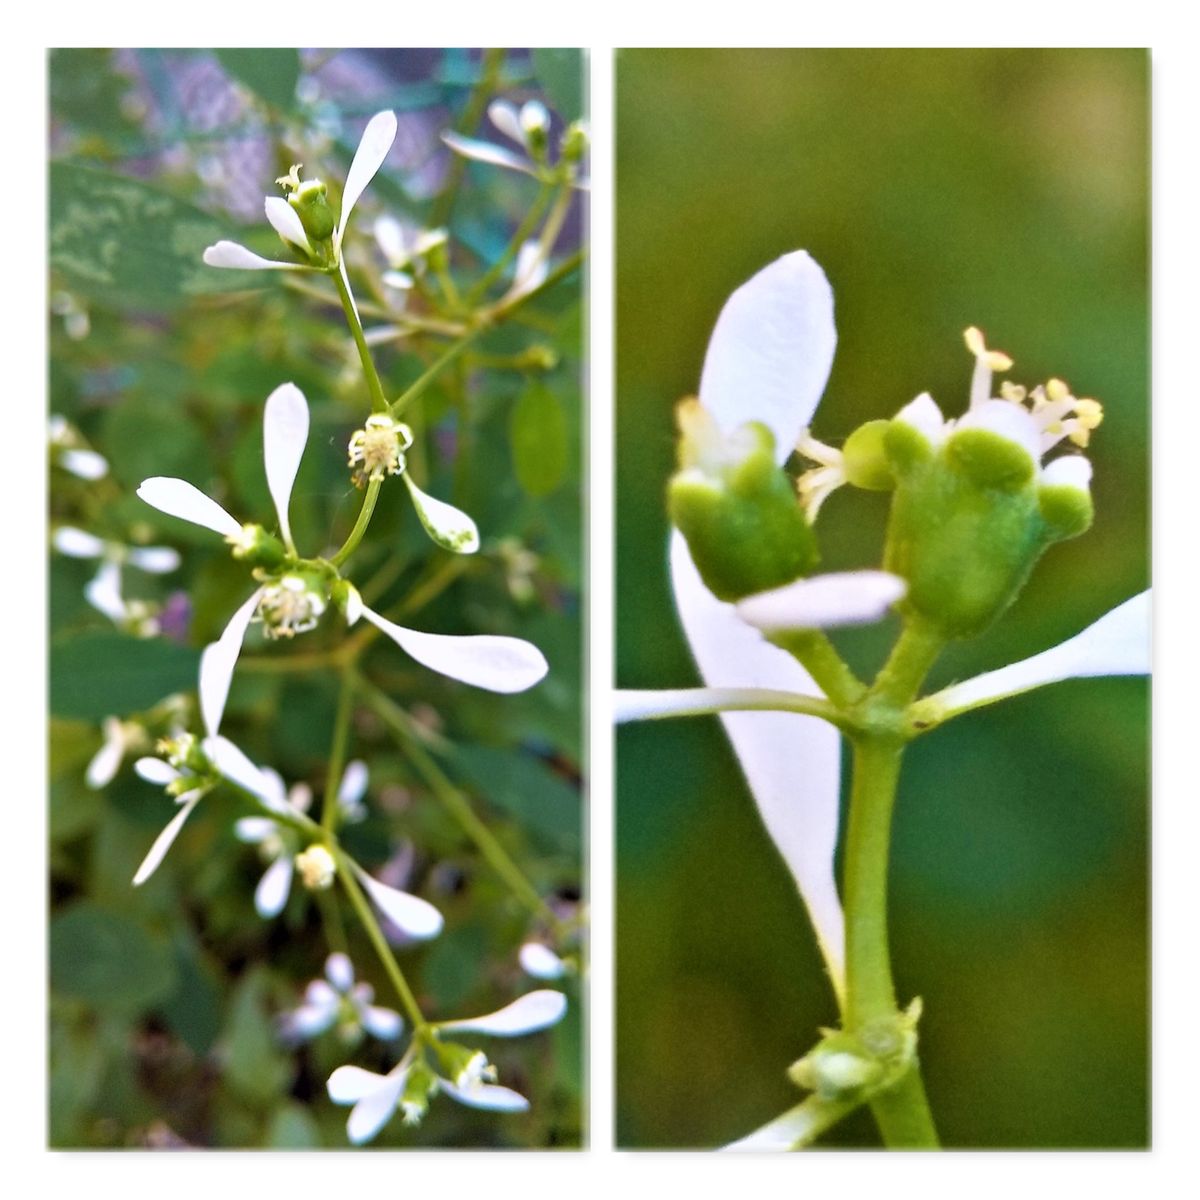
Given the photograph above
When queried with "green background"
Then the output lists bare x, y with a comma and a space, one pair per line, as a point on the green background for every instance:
1006, 189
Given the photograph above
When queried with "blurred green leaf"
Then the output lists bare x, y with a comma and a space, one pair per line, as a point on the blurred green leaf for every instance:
538, 432
255, 1067
268, 72
85, 91
123, 243
108, 960
560, 72
146, 437
95, 675
292, 1128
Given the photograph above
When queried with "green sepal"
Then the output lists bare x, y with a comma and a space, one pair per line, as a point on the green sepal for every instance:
258, 548
312, 206
864, 458
1067, 511
906, 447
989, 459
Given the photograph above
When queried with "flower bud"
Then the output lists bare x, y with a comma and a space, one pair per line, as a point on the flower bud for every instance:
312, 206
737, 508
255, 546
316, 867
574, 142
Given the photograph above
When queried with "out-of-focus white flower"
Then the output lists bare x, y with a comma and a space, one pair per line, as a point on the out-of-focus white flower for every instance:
70, 453
337, 999
120, 739
529, 127
406, 252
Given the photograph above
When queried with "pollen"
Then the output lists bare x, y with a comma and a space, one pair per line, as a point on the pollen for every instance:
289, 607
316, 867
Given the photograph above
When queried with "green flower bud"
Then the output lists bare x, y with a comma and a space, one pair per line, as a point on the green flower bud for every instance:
419, 1086
574, 142
864, 459
312, 206
737, 508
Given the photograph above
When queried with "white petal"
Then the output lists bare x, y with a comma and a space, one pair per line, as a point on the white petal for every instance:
339, 971
253, 830
382, 1023
75, 543
285, 433
486, 152
534, 116
531, 270
486, 1095
162, 843
321, 994
690, 702
389, 233
771, 351
354, 784
373, 1111
230, 254
498, 664
178, 498
450, 527
232, 763
354, 604
217, 663
86, 464
824, 601
104, 592
154, 770
285, 220
418, 918
1117, 644
924, 416
790, 761
105, 763
505, 117
780, 1134
1009, 420
402, 282
349, 1084
1072, 470
376, 141
272, 892
527, 1014
157, 560
541, 962
309, 1020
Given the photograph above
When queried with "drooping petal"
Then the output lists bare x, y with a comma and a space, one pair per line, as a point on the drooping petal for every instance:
1117, 644
103, 592
350, 1084
448, 526
486, 152
771, 351
178, 498
162, 843
75, 543
339, 971
790, 761
217, 663
157, 560
85, 464
285, 220
527, 1014
154, 770
418, 918
651, 705
374, 1110
504, 115
353, 786
498, 664
230, 254
376, 141
541, 962
285, 434
824, 601
382, 1023
272, 892
486, 1095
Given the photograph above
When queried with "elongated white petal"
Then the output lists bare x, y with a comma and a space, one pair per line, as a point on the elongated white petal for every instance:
285, 434
75, 543
232, 255
376, 141
154, 770
527, 1014
178, 498
217, 663
105, 763
486, 152
450, 527
354, 604
824, 601
418, 918
531, 270
504, 115
1072, 470
541, 962
285, 220
791, 762
162, 843
782, 1133
498, 664
382, 1023
652, 705
103, 592
339, 971
157, 560
486, 1095
85, 464
231, 762
350, 1084
389, 234
272, 892
253, 830
1117, 644
771, 351
309, 1020
354, 784
374, 1110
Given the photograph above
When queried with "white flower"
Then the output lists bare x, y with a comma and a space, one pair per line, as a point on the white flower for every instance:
372, 149
291, 602
71, 454
120, 737
768, 360
529, 127
406, 253
337, 998
538, 960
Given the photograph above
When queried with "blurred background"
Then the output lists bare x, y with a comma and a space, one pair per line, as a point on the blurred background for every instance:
164, 1000
938, 189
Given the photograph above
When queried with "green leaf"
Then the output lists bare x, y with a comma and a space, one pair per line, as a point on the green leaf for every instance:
538, 433
108, 960
269, 73
122, 243
254, 1066
145, 437
560, 72
292, 1128
95, 675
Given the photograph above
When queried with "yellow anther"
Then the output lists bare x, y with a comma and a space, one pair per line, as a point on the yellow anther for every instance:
974, 339
292, 178
1014, 392
1089, 412
1056, 389
994, 359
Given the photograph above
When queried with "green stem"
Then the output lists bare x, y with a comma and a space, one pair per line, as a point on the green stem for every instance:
363, 908
378, 400
337, 751
519, 238
360, 526
433, 371
816, 653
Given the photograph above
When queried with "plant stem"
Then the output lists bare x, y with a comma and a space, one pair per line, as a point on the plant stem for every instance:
360, 526
519, 238
378, 400
817, 655
337, 751
432, 372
